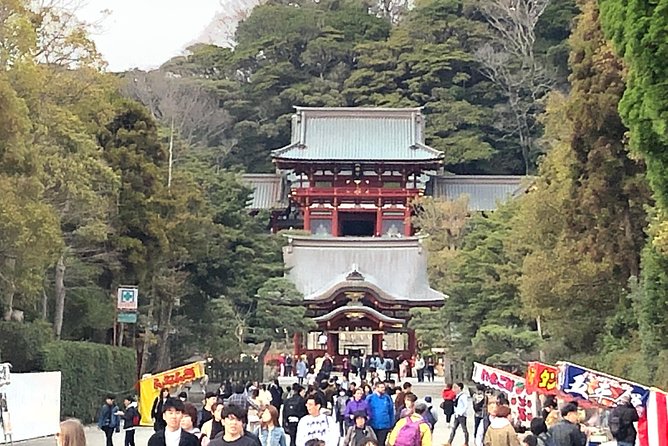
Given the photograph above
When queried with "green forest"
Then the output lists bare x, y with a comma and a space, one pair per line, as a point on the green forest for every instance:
133, 178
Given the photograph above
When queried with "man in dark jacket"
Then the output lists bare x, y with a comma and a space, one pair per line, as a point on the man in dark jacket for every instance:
621, 422
234, 433
294, 409
108, 420
173, 435
567, 432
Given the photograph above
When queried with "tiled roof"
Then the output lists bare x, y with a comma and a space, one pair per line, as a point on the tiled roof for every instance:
269, 190
369, 134
394, 268
485, 192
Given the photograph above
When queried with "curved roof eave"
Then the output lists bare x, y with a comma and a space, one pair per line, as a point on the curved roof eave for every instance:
359, 309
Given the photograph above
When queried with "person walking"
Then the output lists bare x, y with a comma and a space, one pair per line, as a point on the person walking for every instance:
340, 405
131, 420
233, 433
382, 412
108, 420
316, 425
431, 415
345, 368
461, 408
210, 398
479, 406
269, 432
419, 368
71, 433
189, 421
173, 435
294, 410
359, 433
276, 394
411, 430
538, 429
430, 369
621, 422
288, 365
448, 404
156, 409
500, 431
567, 432
356, 404
302, 370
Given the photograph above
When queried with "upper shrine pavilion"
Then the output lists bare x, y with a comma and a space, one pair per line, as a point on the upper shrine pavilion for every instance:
348, 177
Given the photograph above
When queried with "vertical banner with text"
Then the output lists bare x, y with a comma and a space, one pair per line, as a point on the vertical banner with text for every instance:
522, 404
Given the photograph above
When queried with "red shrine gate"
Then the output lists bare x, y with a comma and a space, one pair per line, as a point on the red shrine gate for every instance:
353, 173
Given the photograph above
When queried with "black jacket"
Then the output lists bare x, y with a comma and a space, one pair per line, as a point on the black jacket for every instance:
566, 433
627, 415
294, 409
156, 413
129, 416
158, 439
248, 439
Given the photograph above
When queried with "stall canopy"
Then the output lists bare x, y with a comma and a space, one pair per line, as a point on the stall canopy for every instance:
598, 388
653, 425
149, 386
542, 378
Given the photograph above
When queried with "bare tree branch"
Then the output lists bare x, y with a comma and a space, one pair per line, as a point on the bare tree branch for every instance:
509, 62
194, 109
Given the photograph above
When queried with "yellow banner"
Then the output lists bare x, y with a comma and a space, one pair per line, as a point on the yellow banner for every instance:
149, 387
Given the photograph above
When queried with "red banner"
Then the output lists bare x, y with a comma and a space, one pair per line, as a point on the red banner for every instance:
542, 378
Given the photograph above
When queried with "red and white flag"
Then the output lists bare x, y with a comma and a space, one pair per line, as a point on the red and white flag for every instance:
653, 425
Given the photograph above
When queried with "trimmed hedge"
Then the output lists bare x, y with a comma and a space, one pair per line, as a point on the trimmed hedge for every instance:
89, 372
21, 344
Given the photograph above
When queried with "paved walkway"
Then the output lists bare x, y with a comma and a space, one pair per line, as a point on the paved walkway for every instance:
95, 437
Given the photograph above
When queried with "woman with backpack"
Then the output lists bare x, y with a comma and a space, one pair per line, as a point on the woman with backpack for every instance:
411, 430
131, 419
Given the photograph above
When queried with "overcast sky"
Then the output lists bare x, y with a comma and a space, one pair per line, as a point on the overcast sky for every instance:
146, 33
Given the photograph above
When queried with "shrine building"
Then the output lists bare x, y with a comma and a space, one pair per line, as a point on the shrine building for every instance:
348, 177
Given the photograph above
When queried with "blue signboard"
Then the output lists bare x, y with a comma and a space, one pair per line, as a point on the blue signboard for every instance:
599, 388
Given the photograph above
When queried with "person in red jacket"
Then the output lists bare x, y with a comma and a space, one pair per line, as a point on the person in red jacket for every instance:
448, 404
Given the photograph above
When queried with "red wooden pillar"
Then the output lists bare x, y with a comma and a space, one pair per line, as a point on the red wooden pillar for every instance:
412, 342
377, 344
297, 341
307, 218
379, 221
407, 221
335, 220
330, 343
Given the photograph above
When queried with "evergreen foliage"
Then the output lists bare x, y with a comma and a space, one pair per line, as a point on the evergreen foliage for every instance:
639, 31
89, 373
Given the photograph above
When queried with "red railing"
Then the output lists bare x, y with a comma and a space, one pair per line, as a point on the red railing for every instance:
352, 191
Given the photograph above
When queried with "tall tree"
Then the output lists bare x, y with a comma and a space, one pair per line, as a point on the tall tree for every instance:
586, 207
638, 31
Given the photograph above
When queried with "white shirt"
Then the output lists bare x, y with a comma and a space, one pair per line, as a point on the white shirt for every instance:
462, 404
320, 427
172, 438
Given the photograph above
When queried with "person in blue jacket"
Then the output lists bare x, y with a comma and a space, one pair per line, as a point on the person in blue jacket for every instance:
382, 412
109, 420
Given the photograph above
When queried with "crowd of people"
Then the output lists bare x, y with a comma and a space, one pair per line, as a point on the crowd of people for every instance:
333, 411
310, 369
564, 425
